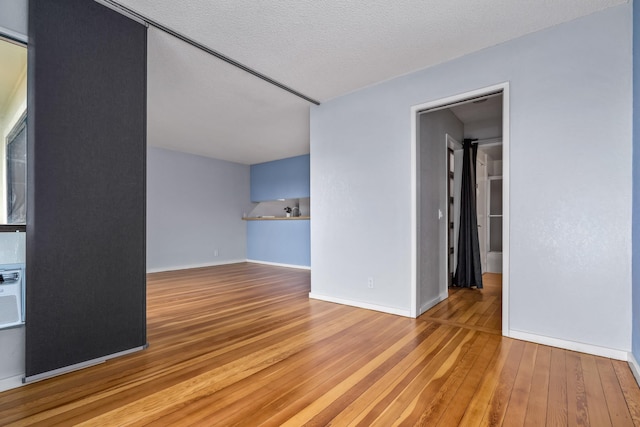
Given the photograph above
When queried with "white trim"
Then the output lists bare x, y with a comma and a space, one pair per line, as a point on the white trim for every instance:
489, 142
81, 365
506, 180
189, 266
11, 382
413, 307
437, 300
277, 264
415, 110
444, 281
16, 36
214, 264
360, 304
633, 365
444, 285
611, 353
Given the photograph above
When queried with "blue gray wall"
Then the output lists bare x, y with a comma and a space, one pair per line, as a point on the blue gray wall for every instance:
570, 199
194, 207
636, 180
280, 179
280, 242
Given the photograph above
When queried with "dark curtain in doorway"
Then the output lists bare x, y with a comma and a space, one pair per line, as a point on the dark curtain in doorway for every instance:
469, 269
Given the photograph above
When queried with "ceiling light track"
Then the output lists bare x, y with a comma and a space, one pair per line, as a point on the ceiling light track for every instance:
148, 21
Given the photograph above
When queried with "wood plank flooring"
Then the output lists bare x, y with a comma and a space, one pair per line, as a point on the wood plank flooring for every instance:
242, 345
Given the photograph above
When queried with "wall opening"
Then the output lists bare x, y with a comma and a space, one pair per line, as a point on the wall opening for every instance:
439, 127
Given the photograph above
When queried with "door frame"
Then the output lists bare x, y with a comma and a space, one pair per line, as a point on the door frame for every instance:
506, 172
455, 146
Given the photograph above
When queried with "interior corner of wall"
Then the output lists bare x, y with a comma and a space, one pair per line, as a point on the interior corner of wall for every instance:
635, 368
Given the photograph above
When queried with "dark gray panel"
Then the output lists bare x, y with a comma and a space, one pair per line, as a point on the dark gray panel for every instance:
86, 280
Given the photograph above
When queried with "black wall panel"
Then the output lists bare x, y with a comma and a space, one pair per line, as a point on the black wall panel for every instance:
85, 267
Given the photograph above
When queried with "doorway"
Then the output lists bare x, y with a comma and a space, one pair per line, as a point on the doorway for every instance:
481, 115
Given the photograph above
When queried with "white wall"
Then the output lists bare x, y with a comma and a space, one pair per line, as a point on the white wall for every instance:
484, 129
432, 189
570, 162
13, 18
194, 207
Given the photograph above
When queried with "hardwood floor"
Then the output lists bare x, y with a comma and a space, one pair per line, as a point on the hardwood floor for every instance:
471, 308
243, 345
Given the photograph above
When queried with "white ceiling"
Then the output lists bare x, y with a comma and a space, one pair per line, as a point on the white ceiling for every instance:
488, 109
484, 113
201, 105
323, 49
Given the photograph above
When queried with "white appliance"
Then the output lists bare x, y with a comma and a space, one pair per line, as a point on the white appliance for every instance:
11, 296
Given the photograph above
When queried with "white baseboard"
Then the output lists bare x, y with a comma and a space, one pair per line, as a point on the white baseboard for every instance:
635, 368
427, 305
188, 266
11, 382
570, 345
277, 264
360, 304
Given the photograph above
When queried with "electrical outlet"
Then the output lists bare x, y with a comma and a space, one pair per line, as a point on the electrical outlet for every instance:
370, 283
215, 252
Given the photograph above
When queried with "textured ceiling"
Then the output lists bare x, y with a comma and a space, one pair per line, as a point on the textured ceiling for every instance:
201, 105
488, 109
323, 49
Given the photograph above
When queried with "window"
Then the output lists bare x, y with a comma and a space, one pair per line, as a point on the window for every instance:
16, 166
13, 135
